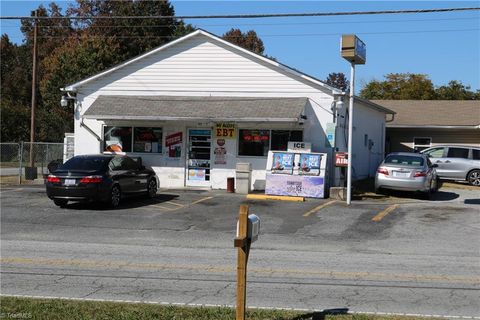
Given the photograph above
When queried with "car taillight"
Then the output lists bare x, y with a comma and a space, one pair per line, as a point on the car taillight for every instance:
383, 171
53, 179
91, 179
420, 174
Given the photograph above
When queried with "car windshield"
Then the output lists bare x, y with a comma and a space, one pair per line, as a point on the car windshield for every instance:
85, 163
397, 159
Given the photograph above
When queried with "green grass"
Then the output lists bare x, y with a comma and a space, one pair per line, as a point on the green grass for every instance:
53, 309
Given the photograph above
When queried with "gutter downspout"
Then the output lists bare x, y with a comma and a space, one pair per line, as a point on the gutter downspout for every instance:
82, 124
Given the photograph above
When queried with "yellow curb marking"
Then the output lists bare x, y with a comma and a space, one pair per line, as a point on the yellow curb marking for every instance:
383, 213
268, 197
229, 269
320, 207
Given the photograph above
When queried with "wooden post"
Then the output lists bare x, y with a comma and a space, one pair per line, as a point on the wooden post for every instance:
243, 247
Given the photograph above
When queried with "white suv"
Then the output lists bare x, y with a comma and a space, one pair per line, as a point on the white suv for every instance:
456, 162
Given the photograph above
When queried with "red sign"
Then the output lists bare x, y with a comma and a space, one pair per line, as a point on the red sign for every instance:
172, 139
341, 159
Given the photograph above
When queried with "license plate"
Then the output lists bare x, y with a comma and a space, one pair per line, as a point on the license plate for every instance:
70, 182
400, 174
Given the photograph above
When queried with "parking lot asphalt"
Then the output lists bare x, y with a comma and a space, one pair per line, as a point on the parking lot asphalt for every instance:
396, 254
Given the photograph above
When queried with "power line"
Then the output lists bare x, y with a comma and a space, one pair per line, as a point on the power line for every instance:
257, 24
253, 16
276, 35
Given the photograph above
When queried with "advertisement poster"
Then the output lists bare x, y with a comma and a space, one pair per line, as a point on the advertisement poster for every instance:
282, 163
225, 130
220, 152
196, 174
309, 164
292, 185
173, 142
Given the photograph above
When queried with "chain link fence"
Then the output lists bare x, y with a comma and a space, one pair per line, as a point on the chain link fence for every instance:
28, 161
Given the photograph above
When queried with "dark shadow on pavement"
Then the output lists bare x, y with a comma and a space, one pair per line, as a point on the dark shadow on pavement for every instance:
472, 201
321, 314
131, 202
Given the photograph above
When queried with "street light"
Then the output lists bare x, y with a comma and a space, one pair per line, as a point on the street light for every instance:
353, 50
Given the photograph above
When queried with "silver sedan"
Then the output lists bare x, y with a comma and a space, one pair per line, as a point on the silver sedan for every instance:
408, 172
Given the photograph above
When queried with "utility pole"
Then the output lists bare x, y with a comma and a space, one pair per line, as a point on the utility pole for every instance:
34, 91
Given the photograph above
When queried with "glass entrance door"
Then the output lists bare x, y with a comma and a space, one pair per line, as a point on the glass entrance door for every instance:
199, 157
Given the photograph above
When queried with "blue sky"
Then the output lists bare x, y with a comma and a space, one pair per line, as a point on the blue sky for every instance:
445, 46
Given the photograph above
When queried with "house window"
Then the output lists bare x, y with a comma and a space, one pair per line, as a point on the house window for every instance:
147, 140
258, 142
117, 139
254, 143
420, 144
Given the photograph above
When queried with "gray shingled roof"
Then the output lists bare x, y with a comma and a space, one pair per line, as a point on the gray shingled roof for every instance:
421, 113
195, 108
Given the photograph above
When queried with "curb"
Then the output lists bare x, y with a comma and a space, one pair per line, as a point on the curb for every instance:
268, 197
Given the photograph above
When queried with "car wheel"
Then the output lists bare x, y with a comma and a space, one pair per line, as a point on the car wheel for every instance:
152, 188
427, 195
473, 178
115, 196
60, 202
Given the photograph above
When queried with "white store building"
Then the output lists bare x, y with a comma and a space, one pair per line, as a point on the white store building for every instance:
196, 106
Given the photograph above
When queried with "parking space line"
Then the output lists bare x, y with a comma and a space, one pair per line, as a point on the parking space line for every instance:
200, 200
174, 203
162, 207
320, 207
383, 213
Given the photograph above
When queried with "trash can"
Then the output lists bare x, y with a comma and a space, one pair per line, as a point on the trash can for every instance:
244, 177
231, 184
31, 173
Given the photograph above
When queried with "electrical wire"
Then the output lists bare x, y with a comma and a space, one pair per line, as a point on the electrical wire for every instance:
258, 24
274, 35
252, 16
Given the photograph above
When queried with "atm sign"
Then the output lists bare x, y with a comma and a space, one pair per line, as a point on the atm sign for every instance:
341, 159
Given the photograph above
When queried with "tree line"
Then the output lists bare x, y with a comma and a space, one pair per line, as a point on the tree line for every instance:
70, 50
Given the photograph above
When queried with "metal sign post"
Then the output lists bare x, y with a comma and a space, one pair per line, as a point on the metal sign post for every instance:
350, 135
353, 50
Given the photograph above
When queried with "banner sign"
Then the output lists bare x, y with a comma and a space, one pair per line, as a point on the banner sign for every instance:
173, 143
225, 130
220, 152
293, 185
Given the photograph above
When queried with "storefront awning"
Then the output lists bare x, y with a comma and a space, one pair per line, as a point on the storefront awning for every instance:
236, 109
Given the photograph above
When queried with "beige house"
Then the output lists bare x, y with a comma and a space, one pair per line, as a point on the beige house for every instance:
420, 124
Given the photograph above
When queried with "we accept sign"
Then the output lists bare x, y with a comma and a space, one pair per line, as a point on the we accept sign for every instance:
225, 130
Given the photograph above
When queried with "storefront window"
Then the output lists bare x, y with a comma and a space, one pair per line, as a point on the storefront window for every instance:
254, 143
117, 139
147, 140
280, 138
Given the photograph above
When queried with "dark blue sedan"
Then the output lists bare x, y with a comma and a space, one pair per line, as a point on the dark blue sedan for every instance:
103, 178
